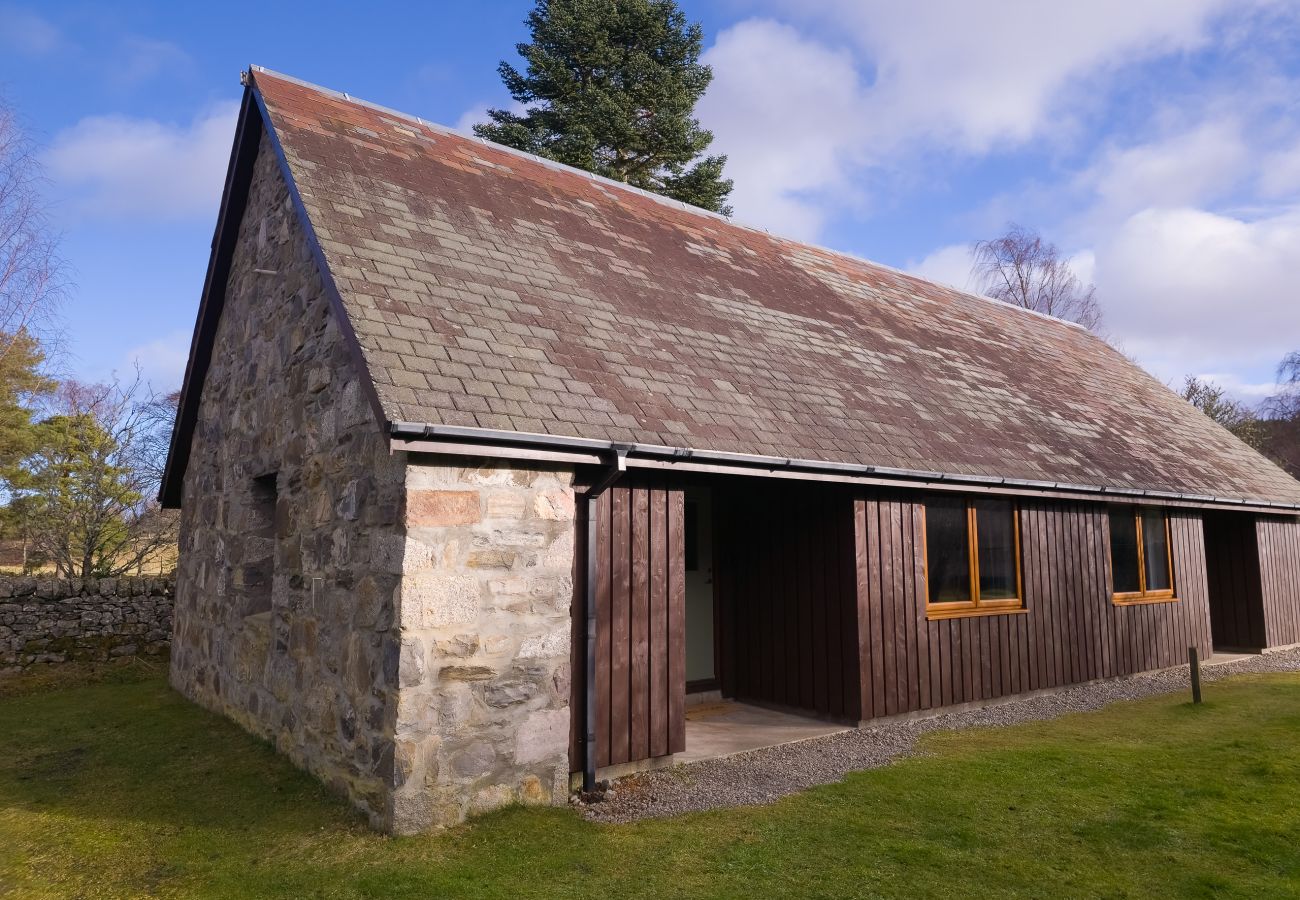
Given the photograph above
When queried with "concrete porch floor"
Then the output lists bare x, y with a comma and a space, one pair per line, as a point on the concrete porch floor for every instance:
1223, 657
723, 728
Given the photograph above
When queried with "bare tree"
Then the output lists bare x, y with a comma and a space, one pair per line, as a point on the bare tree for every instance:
157, 417
85, 496
1285, 404
1022, 269
1282, 425
32, 282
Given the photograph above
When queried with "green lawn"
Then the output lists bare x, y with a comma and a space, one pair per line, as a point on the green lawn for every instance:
116, 787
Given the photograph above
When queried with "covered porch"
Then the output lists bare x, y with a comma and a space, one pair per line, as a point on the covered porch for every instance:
725, 616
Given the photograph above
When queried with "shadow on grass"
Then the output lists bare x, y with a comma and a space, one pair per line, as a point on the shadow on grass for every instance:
129, 748
44, 679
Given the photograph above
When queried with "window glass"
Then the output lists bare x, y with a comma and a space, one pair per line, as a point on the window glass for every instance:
947, 547
995, 529
1124, 551
1155, 550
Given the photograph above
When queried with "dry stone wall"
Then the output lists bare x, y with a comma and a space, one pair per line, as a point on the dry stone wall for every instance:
47, 621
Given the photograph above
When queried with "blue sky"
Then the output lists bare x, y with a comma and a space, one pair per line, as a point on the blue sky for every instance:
1158, 143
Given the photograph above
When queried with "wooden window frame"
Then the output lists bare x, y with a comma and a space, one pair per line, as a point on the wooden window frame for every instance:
956, 609
1135, 598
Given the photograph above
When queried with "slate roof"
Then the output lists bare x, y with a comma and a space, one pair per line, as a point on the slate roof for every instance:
490, 289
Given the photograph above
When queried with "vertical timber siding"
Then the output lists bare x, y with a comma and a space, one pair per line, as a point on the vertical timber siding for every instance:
641, 625
787, 596
1279, 564
1071, 632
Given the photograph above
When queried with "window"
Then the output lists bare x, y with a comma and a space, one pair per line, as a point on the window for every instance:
1142, 569
257, 574
972, 556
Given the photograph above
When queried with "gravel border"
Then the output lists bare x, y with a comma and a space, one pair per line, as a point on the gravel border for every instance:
763, 776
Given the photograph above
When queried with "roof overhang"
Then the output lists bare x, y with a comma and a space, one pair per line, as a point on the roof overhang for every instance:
460, 441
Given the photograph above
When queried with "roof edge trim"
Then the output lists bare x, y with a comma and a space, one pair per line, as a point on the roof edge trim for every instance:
744, 463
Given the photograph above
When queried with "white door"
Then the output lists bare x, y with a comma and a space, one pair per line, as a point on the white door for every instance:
700, 661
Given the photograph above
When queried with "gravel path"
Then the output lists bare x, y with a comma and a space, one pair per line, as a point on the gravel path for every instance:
762, 776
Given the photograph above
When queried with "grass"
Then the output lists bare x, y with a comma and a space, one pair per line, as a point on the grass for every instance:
113, 786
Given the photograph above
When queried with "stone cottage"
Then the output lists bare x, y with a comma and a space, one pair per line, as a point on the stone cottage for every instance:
487, 465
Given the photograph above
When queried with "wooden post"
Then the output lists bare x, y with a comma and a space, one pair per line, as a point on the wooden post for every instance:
1196, 674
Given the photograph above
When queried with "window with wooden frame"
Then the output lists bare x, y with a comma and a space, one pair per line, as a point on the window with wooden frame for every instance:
972, 557
1142, 568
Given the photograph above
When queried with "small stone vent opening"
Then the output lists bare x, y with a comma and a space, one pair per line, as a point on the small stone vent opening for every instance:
260, 533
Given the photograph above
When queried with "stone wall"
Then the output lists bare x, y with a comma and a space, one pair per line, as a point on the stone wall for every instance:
483, 709
48, 621
291, 533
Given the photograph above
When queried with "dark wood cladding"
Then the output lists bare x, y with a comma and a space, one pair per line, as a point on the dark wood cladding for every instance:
787, 595
1233, 576
641, 625
1070, 632
1279, 566
820, 594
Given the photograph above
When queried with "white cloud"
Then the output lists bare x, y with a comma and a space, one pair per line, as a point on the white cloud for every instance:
123, 61
949, 265
116, 166
139, 58
1189, 290
1190, 168
471, 117
1084, 265
805, 120
479, 113
161, 362
991, 73
787, 111
1250, 392
1279, 173
28, 33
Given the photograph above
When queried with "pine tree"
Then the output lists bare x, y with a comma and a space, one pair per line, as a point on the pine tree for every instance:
20, 381
611, 87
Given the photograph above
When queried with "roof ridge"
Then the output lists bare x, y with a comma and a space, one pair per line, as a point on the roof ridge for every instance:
658, 198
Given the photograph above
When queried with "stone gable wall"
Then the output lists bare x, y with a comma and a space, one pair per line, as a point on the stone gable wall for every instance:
291, 534
398, 626
46, 621
483, 710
